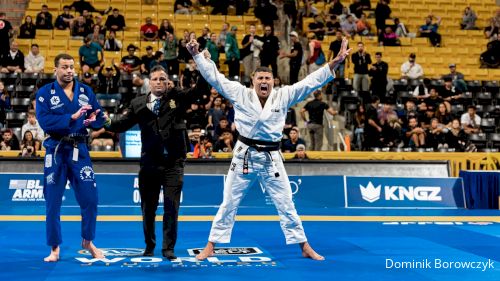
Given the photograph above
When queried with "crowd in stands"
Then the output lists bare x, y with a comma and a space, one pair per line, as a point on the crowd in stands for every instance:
411, 113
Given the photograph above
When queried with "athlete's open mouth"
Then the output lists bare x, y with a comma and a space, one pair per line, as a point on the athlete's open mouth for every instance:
264, 88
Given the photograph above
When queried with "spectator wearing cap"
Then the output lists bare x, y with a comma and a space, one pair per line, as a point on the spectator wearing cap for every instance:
450, 94
290, 144
89, 55
410, 69
88, 79
232, 53
112, 44
146, 60
115, 22
430, 30
457, 78
295, 57
470, 121
250, 49
131, 63
300, 153
149, 31
270, 50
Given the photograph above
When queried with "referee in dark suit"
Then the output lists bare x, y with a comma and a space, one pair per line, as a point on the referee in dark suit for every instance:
160, 115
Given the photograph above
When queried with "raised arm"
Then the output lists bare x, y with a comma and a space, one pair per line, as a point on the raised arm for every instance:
231, 90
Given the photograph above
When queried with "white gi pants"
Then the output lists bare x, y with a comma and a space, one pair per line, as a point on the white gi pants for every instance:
236, 186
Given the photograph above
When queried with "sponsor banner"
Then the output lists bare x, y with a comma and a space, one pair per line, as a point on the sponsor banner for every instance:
397, 193
122, 190
223, 257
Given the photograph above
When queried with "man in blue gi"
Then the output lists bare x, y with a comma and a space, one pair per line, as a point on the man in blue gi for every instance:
65, 108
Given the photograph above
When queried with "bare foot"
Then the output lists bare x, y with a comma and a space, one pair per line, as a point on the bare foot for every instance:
54, 255
208, 251
308, 252
96, 253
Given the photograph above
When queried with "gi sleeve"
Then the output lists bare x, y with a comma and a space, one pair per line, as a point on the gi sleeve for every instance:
54, 123
231, 90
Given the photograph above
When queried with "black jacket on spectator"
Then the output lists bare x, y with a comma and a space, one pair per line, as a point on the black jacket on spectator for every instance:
108, 85
266, 12
27, 31
81, 5
118, 21
378, 72
44, 23
7, 60
382, 12
361, 62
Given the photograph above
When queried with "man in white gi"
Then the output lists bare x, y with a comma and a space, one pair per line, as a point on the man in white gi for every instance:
260, 114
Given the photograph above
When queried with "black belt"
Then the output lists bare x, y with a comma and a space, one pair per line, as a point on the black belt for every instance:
73, 139
260, 145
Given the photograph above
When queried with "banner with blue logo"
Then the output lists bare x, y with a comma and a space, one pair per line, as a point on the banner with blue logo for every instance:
398, 193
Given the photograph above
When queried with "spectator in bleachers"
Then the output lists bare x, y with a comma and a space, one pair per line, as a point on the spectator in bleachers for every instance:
392, 132
102, 26
102, 138
415, 135
332, 25
290, 144
401, 30
295, 57
64, 20
9, 140
34, 128
250, 50
34, 62
131, 63
89, 55
146, 60
492, 30
358, 121
364, 28
491, 57
384, 113
410, 110
443, 115
4, 104
456, 138
349, 26
334, 49
219, 6
215, 112
183, 7
165, 28
426, 113
81, 5
190, 75
266, 11
300, 153
468, 19
232, 53
115, 21
205, 35
221, 127
317, 27
433, 100
225, 143
112, 44
196, 115
213, 49
183, 54
44, 19
450, 94
28, 145
316, 109
361, 59
80, 27
356, 8
316, 57
88, 79
203, 149
457, 78
388, 38
382, 12
421, 92
170, 47
96, 35
430, 30
378, 72
221, 40
372, 128
149, 31
270, 49
336, 8
109, 81
27, 30
470, 121
6, 32
411, 69
12, 61
436, 135
89, 20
